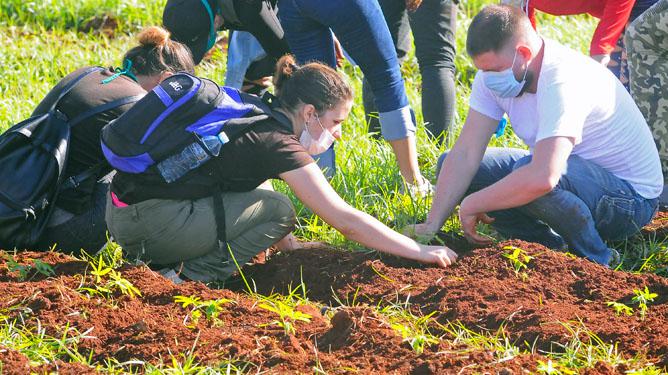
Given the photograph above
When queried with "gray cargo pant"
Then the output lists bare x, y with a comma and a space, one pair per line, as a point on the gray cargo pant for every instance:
182, 233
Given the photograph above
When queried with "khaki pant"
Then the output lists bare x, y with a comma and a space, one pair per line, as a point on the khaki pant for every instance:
182, 233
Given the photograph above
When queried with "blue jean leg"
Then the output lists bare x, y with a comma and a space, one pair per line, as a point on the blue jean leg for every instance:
496, 164
360, 27
588, 205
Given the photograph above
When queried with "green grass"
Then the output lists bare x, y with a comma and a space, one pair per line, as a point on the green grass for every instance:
41, 41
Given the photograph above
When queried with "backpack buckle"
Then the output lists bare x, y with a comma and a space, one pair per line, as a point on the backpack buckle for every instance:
73, 182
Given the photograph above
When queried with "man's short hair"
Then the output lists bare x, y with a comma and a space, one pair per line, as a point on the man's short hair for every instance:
493, 28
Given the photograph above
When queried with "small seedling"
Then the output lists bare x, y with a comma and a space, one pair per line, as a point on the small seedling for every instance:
414, 329
642, 298
518, 259
43, 268
210, 308
24, 269
285, 308
416, 333
620, 308
108, 280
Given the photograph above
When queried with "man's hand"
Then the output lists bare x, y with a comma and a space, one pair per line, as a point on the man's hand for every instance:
441, 256
470, 220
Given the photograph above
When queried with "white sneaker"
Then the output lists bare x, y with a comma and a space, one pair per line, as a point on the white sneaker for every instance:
171, 275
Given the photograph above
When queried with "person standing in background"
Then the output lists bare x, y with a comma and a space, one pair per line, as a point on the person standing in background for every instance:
433, 25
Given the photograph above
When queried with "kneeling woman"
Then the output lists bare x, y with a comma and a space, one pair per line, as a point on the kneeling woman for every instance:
181, 234
78, 219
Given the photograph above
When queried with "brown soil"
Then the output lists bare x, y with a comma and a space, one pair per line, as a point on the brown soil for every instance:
658, 228
151, 328
481, 290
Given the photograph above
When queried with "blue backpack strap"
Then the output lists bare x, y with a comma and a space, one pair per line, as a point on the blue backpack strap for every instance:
66, 90
105, 107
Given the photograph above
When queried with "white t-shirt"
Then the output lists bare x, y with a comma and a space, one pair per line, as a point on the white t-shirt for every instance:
579, 98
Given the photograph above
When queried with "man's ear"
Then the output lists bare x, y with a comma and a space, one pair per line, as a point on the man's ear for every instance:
525, 52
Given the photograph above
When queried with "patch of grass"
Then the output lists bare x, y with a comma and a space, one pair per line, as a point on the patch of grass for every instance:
413, 329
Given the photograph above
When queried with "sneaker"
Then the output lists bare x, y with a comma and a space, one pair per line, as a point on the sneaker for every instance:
171, 275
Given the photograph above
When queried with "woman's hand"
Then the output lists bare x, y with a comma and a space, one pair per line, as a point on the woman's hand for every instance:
441, 256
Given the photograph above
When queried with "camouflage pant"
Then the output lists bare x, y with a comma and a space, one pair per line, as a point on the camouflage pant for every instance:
646, 42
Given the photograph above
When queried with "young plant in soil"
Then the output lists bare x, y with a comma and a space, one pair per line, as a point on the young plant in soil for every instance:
620, 308
519, 260
211, 309
24, 270
413, 329
642, 298
286, 309
107, 281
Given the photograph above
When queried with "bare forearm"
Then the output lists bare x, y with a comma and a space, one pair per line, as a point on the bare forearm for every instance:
368, 231
516, 189
453, 180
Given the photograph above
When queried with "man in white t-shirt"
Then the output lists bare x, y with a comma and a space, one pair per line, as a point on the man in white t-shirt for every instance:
592, 171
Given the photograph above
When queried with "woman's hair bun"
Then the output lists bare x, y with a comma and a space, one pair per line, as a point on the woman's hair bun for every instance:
285, 68
153, 36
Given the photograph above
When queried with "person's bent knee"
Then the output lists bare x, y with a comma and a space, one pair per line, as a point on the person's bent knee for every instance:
281, 209
439, 162
522, 162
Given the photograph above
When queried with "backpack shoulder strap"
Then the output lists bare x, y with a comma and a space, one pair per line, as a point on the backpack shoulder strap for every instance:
73, 182
104, 107
271, 103
66, 90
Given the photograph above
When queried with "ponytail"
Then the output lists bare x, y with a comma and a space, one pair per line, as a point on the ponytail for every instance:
314, 83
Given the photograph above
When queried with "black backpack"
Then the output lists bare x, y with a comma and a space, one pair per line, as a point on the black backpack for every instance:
177, 127
33, 157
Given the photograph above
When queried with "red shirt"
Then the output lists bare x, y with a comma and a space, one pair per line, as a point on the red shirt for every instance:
614, 14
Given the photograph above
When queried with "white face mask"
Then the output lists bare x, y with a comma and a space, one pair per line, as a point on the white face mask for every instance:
316, 147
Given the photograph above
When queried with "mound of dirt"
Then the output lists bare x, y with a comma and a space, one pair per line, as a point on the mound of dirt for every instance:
658, 228
482, 290
154, 328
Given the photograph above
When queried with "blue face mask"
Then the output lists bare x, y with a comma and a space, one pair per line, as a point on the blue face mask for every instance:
503, 83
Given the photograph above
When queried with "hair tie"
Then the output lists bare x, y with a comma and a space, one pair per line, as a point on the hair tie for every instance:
126, 71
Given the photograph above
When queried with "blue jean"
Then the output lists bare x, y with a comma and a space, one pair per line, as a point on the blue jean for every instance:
243, 50
360, 27
588, 205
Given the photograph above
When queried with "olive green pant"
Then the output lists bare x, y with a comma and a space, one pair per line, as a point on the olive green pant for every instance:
182, 233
